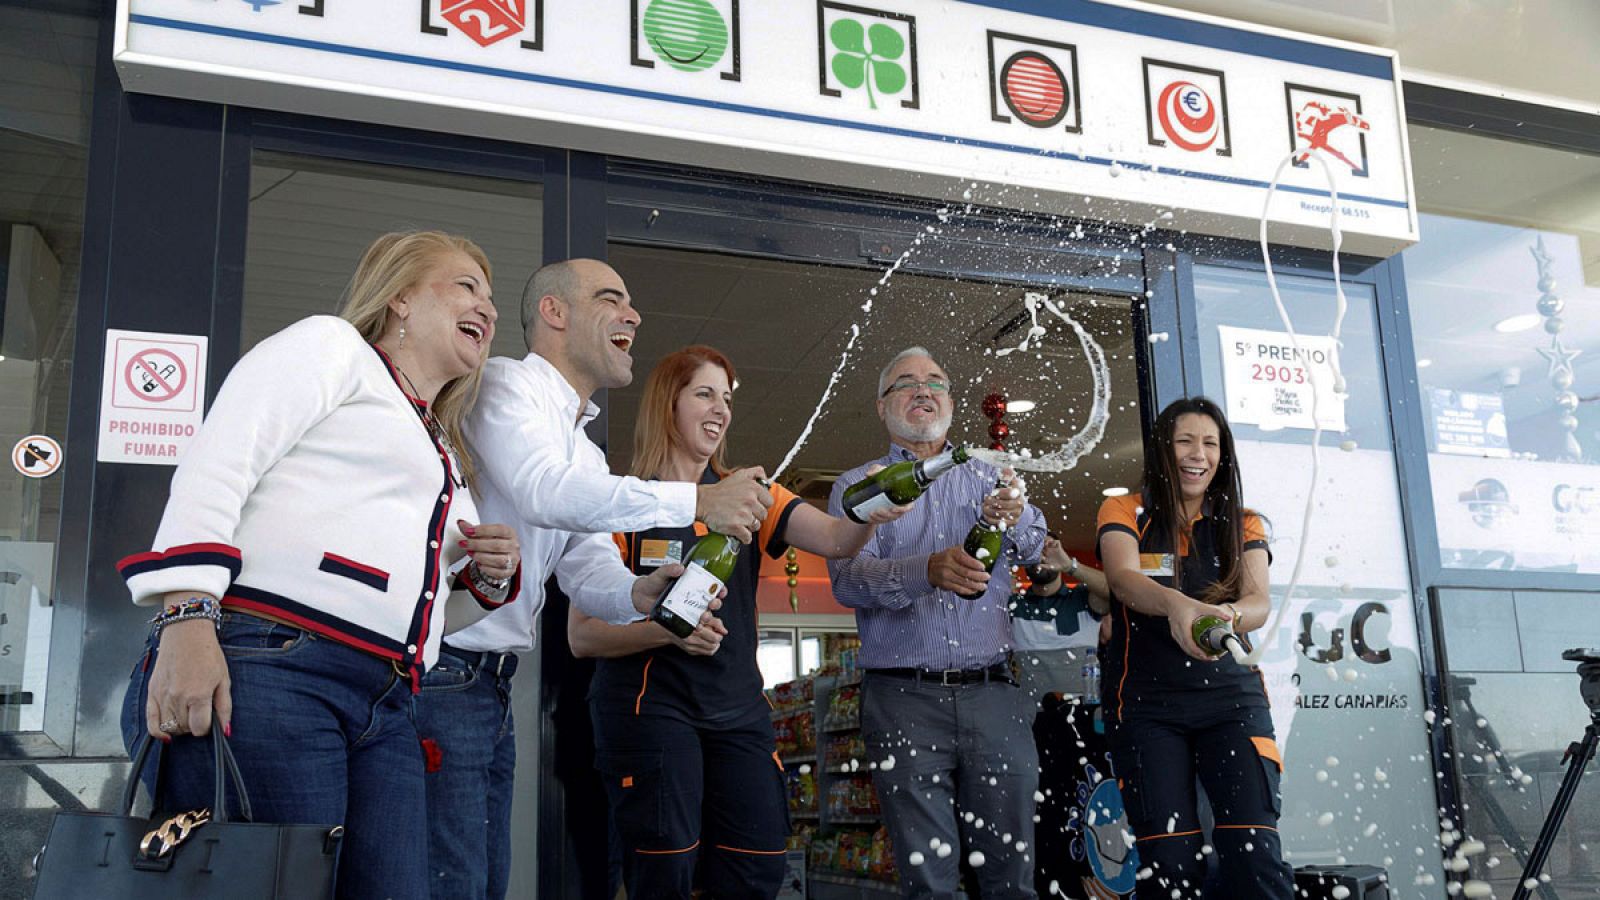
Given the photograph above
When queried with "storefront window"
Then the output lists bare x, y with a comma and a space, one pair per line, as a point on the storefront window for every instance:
45, 88
1502, 292
1343, 669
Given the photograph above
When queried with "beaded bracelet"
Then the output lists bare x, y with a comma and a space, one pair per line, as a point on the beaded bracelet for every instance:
192, 608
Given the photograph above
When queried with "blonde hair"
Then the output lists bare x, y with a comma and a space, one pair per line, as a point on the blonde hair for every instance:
655, 432
393, 265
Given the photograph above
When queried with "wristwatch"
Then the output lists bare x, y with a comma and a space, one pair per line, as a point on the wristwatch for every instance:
1072, 569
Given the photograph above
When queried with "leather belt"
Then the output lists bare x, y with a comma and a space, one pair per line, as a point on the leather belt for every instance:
500, 665
952, 677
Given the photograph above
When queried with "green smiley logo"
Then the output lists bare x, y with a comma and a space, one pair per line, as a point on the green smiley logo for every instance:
688, 35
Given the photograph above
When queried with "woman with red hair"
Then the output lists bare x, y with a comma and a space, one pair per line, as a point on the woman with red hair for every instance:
683, 735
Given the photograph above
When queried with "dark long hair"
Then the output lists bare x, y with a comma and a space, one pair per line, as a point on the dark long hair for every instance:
1163, 497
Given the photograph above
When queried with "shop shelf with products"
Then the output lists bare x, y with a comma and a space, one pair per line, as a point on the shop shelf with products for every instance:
852, 855
832, 803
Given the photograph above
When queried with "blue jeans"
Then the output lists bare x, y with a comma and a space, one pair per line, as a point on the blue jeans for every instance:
324, 735
464, 712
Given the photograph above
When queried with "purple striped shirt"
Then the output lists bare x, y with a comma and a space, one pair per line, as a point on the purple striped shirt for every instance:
903, 620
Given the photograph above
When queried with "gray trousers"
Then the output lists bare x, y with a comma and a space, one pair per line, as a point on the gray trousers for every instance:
945, 754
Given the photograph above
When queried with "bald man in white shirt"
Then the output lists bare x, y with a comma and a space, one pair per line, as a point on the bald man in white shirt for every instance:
542, 473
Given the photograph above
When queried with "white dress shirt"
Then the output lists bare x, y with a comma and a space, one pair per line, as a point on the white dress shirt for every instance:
540, 472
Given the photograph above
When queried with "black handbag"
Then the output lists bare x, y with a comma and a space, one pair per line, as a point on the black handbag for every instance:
201, 853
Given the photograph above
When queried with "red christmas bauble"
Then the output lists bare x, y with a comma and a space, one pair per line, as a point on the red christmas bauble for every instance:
994, 406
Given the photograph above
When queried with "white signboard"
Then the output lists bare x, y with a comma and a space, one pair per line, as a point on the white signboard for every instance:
151, 397
1516, 514
1078, 102
1268, 382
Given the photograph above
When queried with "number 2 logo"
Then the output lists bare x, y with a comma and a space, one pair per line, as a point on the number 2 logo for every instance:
488, 31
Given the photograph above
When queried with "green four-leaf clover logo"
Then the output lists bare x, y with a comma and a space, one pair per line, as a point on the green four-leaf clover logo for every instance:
866, 56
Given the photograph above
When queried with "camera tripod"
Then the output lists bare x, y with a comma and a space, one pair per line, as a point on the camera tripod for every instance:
1577, 759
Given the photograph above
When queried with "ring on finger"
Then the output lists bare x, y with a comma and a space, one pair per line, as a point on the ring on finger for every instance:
168, 726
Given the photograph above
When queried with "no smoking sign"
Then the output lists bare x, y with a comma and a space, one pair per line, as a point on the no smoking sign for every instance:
156, 375
152, 392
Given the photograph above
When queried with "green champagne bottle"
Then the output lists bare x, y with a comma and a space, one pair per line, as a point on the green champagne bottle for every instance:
708, 568
983, 544
898, 484
1214, 635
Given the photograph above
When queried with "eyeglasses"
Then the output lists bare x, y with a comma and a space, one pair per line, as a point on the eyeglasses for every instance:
934, 387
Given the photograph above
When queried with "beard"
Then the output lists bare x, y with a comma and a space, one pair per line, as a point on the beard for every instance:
928, 431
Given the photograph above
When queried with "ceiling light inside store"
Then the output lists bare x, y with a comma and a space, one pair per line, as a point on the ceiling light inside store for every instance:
1514, 324
1115, 492
1020, 406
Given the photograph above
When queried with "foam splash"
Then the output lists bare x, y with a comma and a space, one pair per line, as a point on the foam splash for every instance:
1254, 657
855, 333
1080, 444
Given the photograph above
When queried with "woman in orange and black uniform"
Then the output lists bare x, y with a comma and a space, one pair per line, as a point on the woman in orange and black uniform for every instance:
1183, 548
683, 734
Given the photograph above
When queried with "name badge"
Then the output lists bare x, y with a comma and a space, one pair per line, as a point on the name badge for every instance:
1155, 565
655, 552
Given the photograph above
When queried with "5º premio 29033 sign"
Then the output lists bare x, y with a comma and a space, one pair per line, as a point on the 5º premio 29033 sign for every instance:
152, 396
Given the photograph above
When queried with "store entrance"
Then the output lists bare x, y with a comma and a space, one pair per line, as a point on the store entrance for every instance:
778, 279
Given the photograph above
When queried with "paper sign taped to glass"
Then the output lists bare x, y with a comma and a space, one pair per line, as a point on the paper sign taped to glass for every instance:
1267, 380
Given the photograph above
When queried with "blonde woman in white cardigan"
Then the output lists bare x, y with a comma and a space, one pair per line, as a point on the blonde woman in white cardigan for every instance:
314, 532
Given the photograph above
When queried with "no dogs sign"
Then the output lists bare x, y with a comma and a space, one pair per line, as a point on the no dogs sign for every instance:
151, 396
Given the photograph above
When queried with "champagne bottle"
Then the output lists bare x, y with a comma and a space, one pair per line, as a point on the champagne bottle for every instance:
898, 484
983, 543
1214, 635
708, 567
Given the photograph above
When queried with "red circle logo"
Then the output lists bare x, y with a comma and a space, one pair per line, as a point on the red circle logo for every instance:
1188, 116
1035, 88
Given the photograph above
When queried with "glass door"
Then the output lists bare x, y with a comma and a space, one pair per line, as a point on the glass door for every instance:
1343, 667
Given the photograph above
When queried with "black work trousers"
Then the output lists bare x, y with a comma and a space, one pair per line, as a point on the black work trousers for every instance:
1233, 755
685, 796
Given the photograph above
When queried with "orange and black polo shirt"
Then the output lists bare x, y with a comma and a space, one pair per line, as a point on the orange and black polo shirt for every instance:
1143, 670
667, 681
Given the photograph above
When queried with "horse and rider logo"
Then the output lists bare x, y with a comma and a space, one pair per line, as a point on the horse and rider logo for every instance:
1329, 122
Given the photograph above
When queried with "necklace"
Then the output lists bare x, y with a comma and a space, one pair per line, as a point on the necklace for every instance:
424, 411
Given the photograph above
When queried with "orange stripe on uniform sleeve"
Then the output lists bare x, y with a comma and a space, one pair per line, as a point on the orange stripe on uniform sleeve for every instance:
782, 497
1122, 511
1254, 530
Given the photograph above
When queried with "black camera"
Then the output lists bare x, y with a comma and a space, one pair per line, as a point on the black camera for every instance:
1588, 660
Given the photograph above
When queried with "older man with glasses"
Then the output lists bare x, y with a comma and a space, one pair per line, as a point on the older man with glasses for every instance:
942, 716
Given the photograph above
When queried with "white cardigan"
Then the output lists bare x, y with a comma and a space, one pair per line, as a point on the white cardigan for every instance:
314, 494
